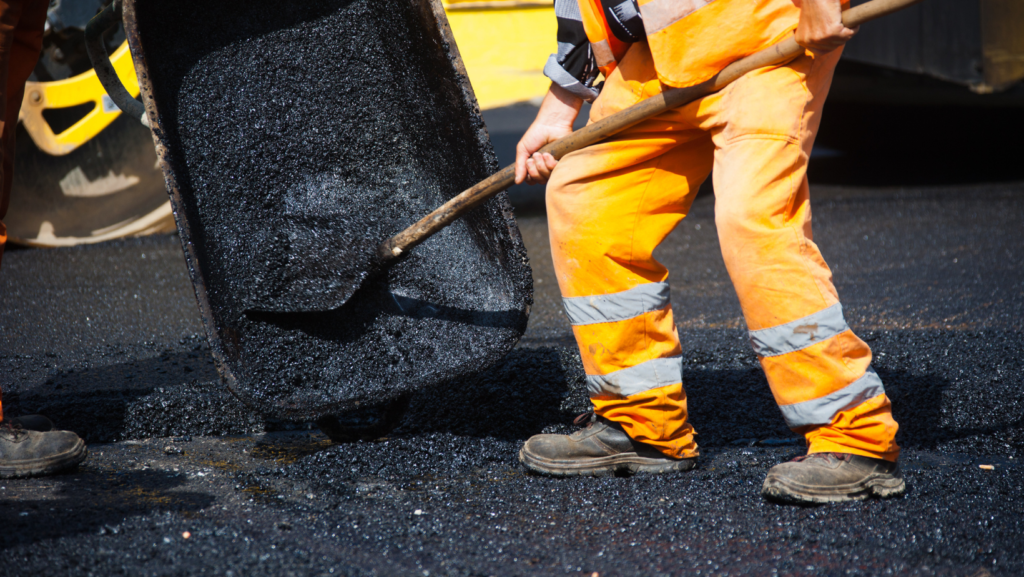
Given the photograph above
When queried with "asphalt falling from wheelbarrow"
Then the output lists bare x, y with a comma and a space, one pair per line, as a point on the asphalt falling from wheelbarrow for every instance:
301, 136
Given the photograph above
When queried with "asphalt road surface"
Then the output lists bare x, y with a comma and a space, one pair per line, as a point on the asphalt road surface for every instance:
182, 480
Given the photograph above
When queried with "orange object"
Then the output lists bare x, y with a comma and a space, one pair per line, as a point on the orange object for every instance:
610, 205
691, 40
607, 49
21, 40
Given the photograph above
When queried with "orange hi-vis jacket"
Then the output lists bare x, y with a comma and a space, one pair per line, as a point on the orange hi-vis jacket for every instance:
691, 40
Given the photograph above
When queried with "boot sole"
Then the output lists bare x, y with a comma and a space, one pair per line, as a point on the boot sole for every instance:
629, 463
48, 465
883, 486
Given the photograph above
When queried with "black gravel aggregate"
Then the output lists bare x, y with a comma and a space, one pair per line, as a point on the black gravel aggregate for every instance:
300, 136
936, 289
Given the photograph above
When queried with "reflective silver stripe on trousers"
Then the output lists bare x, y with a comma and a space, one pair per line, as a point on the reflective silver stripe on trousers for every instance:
602, 53
616, 306
822, 411
661, 14
648, 375
799, 334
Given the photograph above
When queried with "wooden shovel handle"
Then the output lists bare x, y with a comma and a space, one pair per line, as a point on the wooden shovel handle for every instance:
667, 100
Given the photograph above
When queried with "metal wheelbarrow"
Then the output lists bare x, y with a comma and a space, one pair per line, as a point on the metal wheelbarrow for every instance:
288, 130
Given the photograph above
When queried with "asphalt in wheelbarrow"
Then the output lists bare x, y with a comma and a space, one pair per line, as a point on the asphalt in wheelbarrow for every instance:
300, 135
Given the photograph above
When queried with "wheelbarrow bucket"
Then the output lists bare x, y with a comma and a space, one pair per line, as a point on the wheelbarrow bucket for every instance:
290, 130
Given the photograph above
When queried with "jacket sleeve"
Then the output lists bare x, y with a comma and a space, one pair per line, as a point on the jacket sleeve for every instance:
573, 67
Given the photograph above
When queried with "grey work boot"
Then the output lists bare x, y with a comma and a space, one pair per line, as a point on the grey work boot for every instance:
25, 453
831, 477
602, 448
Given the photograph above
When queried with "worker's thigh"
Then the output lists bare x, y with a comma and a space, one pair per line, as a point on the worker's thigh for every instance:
610, 204
763, 126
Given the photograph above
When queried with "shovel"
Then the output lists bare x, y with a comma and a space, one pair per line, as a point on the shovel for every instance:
350, 270
400, 244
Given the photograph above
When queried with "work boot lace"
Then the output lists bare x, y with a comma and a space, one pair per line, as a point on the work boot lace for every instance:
587, 418
837, 456
11, 430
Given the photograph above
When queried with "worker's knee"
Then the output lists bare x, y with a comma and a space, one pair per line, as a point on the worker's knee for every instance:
740, 223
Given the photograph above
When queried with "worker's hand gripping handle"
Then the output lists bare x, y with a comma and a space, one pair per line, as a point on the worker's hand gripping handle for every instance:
107, 19
673, 98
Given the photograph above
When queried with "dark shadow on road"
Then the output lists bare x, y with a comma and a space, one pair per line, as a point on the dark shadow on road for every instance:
95, 402
544, 388
170, 395
921, 406
527, 391
727, 405
90, 502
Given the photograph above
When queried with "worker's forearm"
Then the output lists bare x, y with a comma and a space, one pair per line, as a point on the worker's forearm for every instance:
559, 107
554, 120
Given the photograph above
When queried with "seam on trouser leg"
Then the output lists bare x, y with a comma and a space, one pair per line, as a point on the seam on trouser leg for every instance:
762, 136
802, 238
799, 237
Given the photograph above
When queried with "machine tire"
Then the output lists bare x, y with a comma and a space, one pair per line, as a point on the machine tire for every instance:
109, 187
96, 185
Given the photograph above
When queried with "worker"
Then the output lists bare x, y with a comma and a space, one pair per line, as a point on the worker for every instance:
610, 205
28, 445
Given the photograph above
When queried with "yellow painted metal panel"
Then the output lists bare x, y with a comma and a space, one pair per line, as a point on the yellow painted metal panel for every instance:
81, 89
504, 50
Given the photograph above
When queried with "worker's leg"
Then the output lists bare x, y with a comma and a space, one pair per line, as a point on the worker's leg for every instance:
10, 11
819, 371
25, 452
21, 38
609, 206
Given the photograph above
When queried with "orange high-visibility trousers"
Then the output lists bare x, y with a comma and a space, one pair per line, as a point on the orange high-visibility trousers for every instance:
611, 204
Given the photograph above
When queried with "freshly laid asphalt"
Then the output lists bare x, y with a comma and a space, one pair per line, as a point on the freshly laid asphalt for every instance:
182, 480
